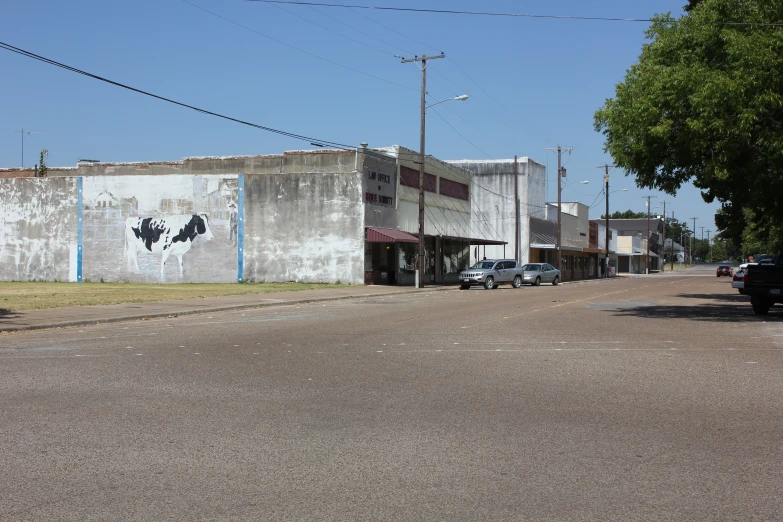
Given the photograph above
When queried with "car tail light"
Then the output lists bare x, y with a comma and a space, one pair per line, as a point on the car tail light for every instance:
745, 278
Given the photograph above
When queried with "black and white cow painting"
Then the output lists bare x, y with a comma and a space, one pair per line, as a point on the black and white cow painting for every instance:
165, 236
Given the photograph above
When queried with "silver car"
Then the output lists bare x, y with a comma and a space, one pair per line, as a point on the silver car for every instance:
491, 273
537, 273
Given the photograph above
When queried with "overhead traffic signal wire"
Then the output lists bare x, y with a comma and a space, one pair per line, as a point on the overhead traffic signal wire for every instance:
49, 61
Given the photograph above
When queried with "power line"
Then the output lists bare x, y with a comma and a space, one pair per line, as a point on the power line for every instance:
330, 30
454, 12
384, 26
508, 111
357, 71
503, 15
359, 30
34, 56
461, 135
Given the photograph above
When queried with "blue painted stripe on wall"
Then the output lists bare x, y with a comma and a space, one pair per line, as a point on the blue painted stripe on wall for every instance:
241, 229
79, 236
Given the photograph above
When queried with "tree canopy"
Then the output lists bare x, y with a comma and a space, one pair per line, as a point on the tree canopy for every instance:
704, 104
628, 214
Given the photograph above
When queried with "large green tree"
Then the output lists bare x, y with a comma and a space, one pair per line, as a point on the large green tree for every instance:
704, 104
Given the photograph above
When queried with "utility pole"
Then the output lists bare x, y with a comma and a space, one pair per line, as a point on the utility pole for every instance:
663, 245
647, 248
692, 238
423, 59
516, 208
682, 244
671, 260
709, 246
29, 133
606, 168
702, 236
560, 174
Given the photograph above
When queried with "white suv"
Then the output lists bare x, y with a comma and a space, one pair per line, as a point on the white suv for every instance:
491, 273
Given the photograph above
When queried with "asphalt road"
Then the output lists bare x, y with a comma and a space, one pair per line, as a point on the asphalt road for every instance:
656, 398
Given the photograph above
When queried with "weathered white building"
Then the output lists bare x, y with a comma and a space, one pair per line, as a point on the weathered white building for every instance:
325, 216
505, 196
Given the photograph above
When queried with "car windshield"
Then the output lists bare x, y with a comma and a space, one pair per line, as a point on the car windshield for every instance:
483, 265
532, 268
724, 266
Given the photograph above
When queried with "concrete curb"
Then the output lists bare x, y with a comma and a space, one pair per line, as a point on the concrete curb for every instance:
224, 308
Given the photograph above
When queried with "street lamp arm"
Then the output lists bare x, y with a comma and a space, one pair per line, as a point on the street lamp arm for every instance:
461, 97
573, 183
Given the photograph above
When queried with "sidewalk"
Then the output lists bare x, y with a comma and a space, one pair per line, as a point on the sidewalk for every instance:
84, 315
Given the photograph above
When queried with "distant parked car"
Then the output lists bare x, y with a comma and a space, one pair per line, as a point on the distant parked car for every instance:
724, 270
738, 281
491, 273
537, 273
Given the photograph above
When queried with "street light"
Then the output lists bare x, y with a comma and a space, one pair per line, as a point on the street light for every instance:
461, 97
424, 108
560, 190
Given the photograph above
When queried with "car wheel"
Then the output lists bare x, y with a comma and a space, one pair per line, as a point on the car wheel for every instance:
760, 306
741, 291
556, 281
464, 287
517, 282
538, 281
489, 283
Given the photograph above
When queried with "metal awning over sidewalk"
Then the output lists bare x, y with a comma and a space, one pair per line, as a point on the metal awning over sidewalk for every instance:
389, 235
475, 241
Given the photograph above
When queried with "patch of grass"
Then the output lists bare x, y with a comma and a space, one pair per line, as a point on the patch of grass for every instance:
32, 296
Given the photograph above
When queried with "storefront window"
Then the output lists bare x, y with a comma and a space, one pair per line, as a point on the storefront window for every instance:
456, 257
429, 256
409, 252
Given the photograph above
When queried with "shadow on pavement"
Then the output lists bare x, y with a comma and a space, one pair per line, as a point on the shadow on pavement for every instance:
734, 297
729, 309
7, 314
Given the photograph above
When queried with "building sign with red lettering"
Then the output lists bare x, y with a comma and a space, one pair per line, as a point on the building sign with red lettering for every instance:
380, 187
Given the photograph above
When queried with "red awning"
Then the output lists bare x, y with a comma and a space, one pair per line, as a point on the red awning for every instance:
388, 235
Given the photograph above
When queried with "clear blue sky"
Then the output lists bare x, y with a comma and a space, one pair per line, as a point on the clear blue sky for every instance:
533, 83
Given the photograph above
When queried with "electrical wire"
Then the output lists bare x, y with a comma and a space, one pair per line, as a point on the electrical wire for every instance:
381, 25
34, 56
502, 15
506, 109
460, 134
357, 29
357, 71
455, 12
385, 53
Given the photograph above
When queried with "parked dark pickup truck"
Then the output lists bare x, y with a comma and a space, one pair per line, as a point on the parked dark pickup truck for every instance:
764, 284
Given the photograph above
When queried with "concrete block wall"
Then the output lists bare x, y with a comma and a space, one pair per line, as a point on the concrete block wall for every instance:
39, 229
306, 226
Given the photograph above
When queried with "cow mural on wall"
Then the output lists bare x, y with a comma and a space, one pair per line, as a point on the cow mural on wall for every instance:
153, 217
164, 237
